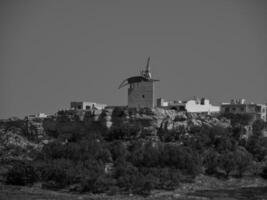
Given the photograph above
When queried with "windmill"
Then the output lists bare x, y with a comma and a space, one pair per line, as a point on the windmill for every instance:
141, 88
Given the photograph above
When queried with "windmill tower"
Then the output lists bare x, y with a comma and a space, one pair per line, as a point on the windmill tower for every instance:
141, 91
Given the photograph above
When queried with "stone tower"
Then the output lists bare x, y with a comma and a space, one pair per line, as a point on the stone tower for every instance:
141, 89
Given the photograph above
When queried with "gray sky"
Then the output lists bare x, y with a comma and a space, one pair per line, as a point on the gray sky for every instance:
53, 52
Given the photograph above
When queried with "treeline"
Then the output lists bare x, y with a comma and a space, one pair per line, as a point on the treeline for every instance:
137, 167
95, 162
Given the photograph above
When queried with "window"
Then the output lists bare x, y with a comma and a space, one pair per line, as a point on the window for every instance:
233, 109
181, 108
242, 109
227, 110
87, 107
79, 107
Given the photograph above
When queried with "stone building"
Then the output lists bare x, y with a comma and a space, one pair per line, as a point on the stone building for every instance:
141, 91
84, 105
258, 111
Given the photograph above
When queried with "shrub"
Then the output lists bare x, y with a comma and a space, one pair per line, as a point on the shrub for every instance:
180, 157
55, 172
168, 178
257, 127
144, 184
227, 162
126, 175
242, 160
118, 150
257, 146
62, 172
21, 173
97, 184
113, 190
211, 161
264, 173
243, 119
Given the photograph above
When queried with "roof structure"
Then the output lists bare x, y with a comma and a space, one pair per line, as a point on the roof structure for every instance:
145, 75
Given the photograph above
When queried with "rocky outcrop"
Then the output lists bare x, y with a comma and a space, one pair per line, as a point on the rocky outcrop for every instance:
145, 121
13, 138
19, 138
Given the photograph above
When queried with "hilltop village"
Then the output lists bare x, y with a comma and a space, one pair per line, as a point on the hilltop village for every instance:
141, 94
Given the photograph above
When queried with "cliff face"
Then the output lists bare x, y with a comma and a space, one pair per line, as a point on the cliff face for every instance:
127, 123
144, 121
20, 138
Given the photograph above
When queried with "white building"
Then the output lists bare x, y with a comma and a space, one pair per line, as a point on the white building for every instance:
84, 105
201, 106
192, 106
39, 115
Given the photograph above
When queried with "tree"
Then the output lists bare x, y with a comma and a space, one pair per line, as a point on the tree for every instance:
258, 126
151, 155
21, 173
264, 173
239, 119
227, 162
180, 157
257, 146
225, 143
118, 150
211, 161
126, 175
242, 160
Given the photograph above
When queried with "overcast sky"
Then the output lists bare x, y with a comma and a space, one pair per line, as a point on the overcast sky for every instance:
53, 52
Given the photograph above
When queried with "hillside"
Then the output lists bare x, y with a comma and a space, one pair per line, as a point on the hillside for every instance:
119, 150
143, 123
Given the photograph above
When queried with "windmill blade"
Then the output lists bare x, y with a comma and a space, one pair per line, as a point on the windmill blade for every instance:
123, 83
147, 64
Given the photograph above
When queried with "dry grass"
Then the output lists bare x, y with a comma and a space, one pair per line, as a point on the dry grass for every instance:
204, 188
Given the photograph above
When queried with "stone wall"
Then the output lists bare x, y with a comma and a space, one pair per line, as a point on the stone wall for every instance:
141, 95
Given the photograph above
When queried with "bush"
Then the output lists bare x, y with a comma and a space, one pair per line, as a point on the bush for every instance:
257, 146
242, 160
21, 173
113, 190
258, 126
180, 157
118, 151
97, 184
243, 119
144, 184
264, 173
126, 175
211, 161
168, 178
77, 151
61, 173
227, 162
55, 172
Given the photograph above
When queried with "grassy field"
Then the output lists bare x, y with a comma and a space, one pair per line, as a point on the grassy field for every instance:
203, 188
23, 193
